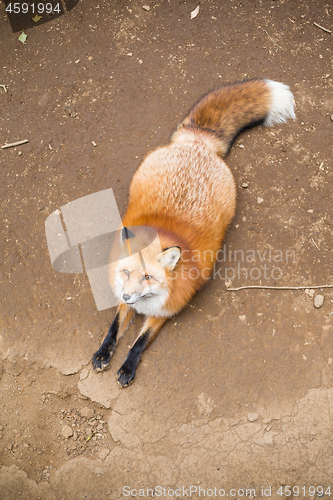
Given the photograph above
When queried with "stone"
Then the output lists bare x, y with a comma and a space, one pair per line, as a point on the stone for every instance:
252, 417
87, 412
66, 431
318, 301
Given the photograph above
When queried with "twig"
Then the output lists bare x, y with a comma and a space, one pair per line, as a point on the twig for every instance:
4, 87
18, 143
278, 287
315, 244
273, 40
82, 166
322, 28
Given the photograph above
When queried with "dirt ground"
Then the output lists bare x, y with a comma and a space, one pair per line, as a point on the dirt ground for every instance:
235, 395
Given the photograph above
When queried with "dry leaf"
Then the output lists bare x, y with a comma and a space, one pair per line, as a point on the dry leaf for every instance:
36, 18
195, 12
23, 37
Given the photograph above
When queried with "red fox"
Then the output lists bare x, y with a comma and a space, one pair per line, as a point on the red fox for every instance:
187, 194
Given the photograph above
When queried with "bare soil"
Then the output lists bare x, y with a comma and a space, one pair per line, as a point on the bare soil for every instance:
235, 392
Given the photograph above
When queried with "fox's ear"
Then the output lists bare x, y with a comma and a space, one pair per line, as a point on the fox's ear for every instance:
126, 234
169, 257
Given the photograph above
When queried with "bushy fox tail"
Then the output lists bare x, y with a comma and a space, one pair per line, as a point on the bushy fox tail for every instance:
222, 113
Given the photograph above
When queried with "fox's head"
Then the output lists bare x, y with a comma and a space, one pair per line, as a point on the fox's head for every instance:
140, 276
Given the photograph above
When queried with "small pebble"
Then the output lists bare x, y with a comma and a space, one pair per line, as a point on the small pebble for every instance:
241, 146
318, 301
260, 200
146, 7
245, 185
93, 143
66, 431
87, 412
252, 417
331, 118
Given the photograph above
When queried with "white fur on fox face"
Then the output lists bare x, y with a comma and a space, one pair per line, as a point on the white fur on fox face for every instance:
135, 286
154, 305
141, 289
149, 301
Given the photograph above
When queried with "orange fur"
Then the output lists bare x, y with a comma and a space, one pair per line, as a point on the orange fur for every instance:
225, 111
186, 192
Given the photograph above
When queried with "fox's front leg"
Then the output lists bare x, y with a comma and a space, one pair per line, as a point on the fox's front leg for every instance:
149, 331
101, 358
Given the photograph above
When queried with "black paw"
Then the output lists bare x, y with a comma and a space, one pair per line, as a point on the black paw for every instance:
101, 359
126, 374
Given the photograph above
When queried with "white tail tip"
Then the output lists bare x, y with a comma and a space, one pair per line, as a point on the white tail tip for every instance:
282, 103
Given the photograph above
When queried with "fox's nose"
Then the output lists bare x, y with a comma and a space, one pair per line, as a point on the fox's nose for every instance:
126, 297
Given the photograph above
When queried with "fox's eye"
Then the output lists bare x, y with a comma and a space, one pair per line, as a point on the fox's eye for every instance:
126, 272
148, 277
